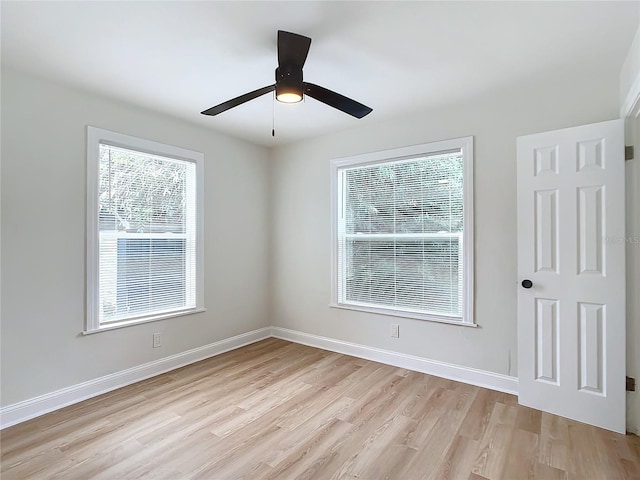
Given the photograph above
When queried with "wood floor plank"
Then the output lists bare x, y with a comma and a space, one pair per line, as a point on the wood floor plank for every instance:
548, 473
433, 446
529, 419
591, 461
364, 461
522, 454
495, 442
278, 410
389, 461
339, 456
476, 422
459, 459
554, 442
310, 451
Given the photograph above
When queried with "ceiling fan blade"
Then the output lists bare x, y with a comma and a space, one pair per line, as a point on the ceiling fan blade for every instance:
292, 49
336, 100
238, 100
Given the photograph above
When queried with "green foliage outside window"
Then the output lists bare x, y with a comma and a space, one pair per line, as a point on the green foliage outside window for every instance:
413, 197
141, 193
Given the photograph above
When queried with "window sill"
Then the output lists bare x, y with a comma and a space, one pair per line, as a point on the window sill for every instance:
398, 313
155, 318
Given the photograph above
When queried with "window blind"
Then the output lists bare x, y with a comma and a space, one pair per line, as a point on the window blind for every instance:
400, 235
147, 234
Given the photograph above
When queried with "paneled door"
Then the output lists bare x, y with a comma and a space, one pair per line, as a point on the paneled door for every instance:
571, 273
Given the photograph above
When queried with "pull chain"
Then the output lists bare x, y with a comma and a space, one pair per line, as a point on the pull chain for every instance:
273, 117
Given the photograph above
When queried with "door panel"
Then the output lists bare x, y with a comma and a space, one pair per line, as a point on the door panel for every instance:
547, 340
546, 213
571, 322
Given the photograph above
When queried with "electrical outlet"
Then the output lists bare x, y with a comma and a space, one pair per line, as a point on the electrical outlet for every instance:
395, 330
157, 340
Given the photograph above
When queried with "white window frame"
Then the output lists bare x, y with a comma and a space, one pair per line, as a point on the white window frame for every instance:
338, 165
95, 137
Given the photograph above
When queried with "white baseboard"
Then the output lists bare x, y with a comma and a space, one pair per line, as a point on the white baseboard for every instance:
473, 376
34, 407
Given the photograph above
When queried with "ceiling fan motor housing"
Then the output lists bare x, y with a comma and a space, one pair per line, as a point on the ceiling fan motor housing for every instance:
289, 84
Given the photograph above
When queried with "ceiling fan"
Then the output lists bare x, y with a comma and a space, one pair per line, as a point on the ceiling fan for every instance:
289, 86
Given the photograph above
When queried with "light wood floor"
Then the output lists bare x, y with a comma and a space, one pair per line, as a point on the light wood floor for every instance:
278, 410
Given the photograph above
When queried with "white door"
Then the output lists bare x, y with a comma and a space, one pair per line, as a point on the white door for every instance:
571, 256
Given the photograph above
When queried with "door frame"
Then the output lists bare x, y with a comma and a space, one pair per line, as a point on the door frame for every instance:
630, 112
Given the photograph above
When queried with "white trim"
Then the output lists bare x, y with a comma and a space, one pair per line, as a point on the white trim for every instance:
472, 376
92, 321
469, 231
139, 321
34, 407
49, 402
463, 145
386, 156
631, 105
96, 136
335, 182
401, 313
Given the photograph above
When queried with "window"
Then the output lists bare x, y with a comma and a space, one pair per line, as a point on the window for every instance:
144, 230
402, 232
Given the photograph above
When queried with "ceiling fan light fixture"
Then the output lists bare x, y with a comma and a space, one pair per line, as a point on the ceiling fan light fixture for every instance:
289, 97
289, 85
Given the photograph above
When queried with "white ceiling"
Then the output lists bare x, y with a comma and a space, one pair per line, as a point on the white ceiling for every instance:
183, 57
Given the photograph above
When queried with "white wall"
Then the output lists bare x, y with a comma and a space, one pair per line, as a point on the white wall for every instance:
43, 239
300, 202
